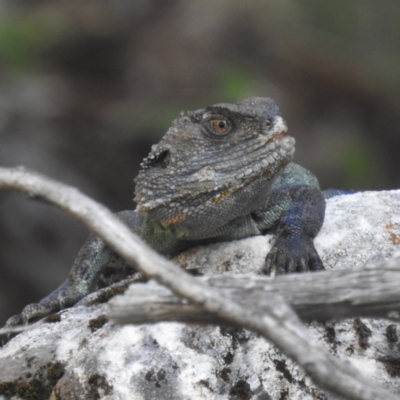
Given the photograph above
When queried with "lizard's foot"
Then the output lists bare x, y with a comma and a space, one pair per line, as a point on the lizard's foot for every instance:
63, 297
292, 254
31, 313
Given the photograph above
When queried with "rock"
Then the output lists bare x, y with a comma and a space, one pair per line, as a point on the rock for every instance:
81, 355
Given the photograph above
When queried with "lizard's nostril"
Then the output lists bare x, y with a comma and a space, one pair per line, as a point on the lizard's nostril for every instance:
158, 160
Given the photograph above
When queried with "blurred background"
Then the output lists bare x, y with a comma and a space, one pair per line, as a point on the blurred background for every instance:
86, 86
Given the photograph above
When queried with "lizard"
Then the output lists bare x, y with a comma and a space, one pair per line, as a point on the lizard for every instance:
220, 173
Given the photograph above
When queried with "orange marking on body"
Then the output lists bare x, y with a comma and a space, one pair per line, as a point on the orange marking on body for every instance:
266, 173
174, 219
220, 196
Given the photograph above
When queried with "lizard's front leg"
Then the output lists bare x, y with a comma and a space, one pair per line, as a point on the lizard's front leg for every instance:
297, 215
91, 259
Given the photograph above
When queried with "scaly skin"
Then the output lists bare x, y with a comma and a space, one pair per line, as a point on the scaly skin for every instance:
220, 173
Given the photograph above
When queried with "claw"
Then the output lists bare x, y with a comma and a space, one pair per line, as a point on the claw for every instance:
270, 266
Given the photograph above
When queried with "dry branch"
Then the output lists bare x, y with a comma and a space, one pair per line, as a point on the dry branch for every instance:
371, 291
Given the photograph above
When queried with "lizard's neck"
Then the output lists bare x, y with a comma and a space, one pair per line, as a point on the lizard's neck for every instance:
203, 216
162, 238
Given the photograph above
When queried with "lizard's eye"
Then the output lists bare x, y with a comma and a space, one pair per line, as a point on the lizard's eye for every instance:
216, 124
220, 126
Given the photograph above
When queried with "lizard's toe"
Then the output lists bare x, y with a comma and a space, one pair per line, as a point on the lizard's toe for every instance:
316, 262
270, 265
31, 313
302, 265
14, 320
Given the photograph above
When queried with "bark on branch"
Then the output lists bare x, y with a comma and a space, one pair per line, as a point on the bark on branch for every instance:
276, 322
329, 295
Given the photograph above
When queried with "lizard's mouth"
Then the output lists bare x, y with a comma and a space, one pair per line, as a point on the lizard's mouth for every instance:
279, 129
278, 135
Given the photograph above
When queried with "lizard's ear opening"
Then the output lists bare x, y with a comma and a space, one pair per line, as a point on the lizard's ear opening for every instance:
160, 159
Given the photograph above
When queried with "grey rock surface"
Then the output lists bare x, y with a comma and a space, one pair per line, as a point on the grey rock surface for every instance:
82, 355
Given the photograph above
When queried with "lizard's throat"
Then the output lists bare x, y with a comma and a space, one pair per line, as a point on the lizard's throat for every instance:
203, 216
195, 209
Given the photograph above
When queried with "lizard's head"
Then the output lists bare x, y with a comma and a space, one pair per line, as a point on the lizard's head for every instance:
220, 155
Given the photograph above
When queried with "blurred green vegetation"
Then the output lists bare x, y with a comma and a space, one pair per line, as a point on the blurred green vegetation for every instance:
358, 162
236, 83
24, 39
